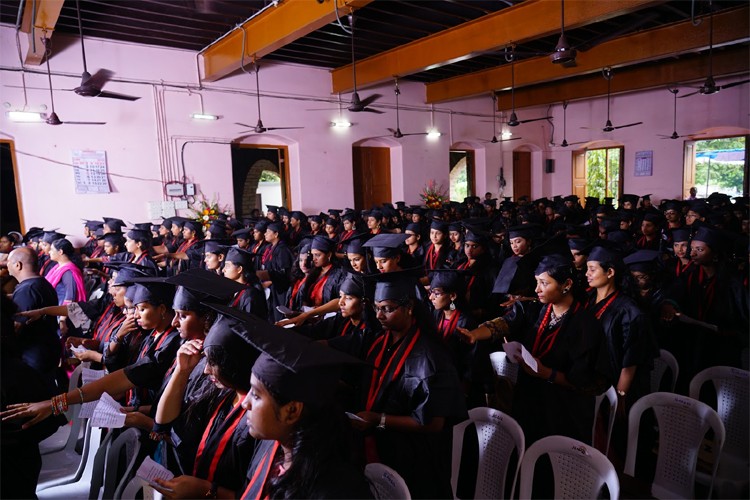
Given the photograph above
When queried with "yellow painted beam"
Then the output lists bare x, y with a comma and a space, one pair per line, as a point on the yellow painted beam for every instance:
271, 30
732, 26
727, 62
38, 25
518, 24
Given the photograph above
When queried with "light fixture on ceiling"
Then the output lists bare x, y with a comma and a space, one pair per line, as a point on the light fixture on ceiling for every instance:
506, 134
341, 123
202, 115
433, 132
25, 116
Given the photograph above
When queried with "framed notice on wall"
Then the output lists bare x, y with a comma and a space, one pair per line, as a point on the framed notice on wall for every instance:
644, 163
90, 172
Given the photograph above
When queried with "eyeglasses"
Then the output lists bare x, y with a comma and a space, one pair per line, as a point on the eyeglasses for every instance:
385, 309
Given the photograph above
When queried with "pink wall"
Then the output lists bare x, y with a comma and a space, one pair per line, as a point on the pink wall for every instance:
143, 138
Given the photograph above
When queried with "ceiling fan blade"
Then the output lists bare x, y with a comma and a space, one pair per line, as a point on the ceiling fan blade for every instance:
282, 128
391, 130
245, 125
373, 110
370, 99
115, 95
733, 84
321, 109
84, 123
688, 95
98, 79
577, 143
628, 125
414, 133
535, 119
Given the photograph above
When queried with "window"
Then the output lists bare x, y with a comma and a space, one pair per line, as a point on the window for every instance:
719, 166
604, 172
461, 175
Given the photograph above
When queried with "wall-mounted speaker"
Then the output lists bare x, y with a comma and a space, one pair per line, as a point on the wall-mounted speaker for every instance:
549, 166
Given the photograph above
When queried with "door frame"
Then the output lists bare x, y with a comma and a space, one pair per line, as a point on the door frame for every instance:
17, 182
286, 190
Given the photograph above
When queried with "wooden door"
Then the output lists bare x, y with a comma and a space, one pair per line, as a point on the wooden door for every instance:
579, 173
371, 169
521, 174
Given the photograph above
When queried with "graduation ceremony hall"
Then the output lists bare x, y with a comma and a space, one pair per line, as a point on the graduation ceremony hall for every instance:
381, 249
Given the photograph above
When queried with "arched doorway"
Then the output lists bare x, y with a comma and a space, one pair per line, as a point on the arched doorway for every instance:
251, 191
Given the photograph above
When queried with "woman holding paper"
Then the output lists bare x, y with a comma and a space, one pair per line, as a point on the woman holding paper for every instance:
555, 397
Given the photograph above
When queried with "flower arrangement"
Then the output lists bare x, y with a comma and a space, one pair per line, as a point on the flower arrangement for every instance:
434, 195
206, 212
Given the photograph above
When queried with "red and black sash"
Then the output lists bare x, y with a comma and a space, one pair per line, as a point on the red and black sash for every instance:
464, 266
446, 326
707, 286
545, 336
681, 268
388, 365
431, 257
216, 437
316, 294
267, 255
600, 310
151, 345
255, 487
108, 322
349, 326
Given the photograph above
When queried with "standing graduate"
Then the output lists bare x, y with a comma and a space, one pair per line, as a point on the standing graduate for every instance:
275, 270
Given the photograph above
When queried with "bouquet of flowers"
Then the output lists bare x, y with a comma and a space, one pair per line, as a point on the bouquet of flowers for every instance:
206, 212
434, 195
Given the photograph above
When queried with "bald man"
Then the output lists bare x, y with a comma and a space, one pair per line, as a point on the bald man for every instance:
38, 341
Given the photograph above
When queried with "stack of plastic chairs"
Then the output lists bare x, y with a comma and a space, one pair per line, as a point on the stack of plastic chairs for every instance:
386, 483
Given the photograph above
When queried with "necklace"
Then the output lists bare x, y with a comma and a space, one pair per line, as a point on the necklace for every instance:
554, 318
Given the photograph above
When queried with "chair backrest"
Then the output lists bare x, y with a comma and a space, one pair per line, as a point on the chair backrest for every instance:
664, 361
611, 396
579, 470
132, 488
732, 404
683, 423
503, 367
386, 482
118, 471
498, 435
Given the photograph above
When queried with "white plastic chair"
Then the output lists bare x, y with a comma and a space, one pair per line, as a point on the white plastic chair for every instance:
611, 396
733, 406
579, 470
64, 466
386, 483
129, 443
503, 367
133, 487
682, 423
664, 361
66, 436
80, 487
498, 436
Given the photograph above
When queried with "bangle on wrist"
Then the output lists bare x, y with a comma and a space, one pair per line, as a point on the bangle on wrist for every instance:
381, 425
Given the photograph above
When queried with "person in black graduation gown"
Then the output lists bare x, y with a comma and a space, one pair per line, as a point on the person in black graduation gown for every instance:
566, 342
436, 253
414, 397
221, 443
354, 320
483, 271
304, 450
276, 268
238, 266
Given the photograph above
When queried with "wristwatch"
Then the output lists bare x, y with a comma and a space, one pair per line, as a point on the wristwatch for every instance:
381, 425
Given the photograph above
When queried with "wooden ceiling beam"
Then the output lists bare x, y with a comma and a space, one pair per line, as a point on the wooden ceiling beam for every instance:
731, 26
727, 62
38, 26
271, 30
521, 23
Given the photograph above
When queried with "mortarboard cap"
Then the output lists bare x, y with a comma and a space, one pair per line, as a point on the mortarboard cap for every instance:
92, 224
127, 272
386, 245
240, 257
439, 225
50, 236
193, 225
261, 225
323, 244
680, 234
243, 234
354, 243
711, 236
654, 217
139, 234
527, 231
198, 285
276, 226
114, 239
155, 291
398, 286
291, 366
272, 208
643, 261
353, 285
448, 279
604, 251
631, 198
300, 216
414, 227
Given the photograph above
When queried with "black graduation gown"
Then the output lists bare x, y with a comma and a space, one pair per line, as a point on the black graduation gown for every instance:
544, 409
278, 261
336, 276
630, 341
155, 358
334, 480
479, 286
251, 300
436, 259
426, 386
258, 248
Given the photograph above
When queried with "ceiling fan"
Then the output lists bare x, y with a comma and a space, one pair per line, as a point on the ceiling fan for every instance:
358, 105
565, 53
709, 85
259, 128
52, 118
396, 133
674, 135
513, 120
608, 127
494, 139
565, 143
91, 85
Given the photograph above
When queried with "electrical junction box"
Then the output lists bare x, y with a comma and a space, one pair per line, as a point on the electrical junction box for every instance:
190, 189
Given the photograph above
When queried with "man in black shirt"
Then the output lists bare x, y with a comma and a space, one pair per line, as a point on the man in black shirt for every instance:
38, 341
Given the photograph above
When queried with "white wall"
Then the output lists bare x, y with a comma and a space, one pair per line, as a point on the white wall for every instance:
143, 139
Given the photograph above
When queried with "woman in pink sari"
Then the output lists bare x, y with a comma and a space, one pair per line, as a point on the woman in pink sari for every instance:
66, 277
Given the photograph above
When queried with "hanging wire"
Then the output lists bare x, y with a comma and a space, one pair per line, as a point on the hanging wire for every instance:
338, 19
